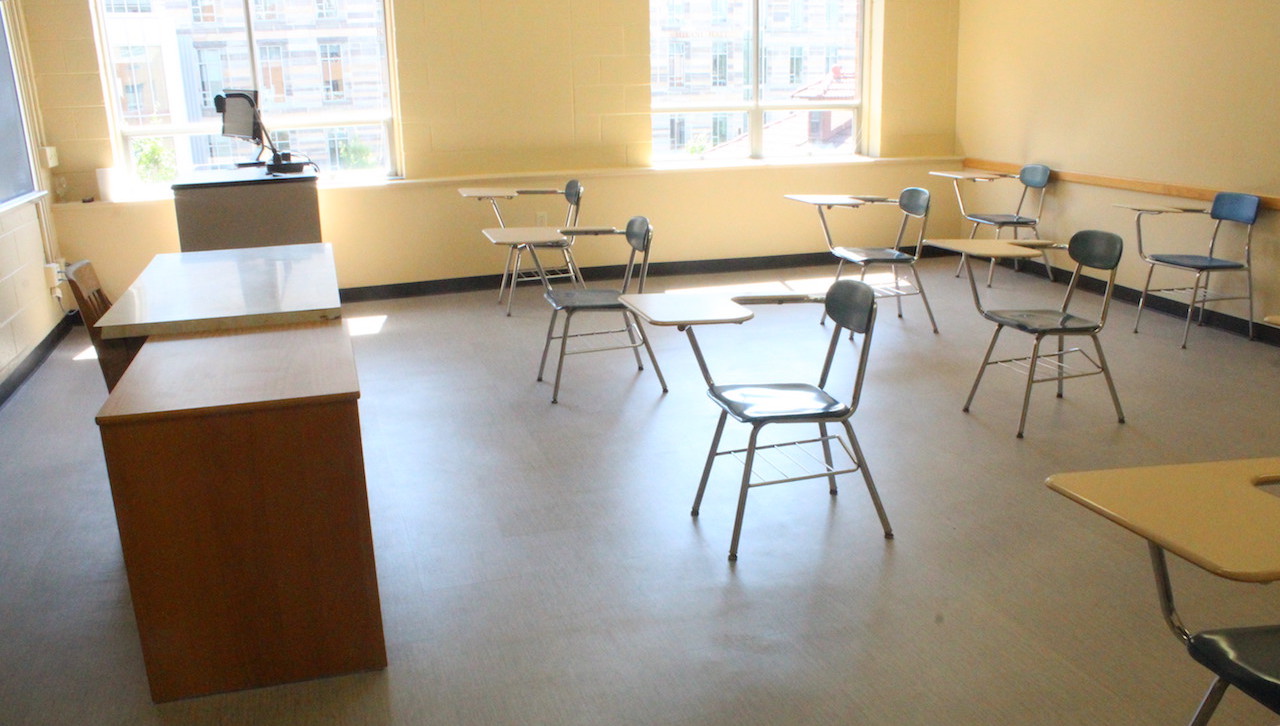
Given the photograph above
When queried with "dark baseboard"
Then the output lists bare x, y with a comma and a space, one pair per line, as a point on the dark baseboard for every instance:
35, 358
1265, 333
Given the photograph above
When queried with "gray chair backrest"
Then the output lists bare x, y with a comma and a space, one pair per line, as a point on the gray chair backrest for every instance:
639, 233
1095, 248
1035, 176
573, 195
1235, 207
851, 304
914, 201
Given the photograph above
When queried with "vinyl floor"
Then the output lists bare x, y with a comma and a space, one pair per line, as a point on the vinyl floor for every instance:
538, 563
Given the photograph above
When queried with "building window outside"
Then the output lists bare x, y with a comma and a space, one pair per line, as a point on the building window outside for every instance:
210, 62
128, 6
271, 61
169, 64
805, 103
268, 9
203, 11
326, 9
720, 64
331, 71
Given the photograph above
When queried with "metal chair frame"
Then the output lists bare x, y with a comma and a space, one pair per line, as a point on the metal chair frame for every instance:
914, 203
1084, 249
1227, 207
639, 237
1034, 179
513, 273
851, 305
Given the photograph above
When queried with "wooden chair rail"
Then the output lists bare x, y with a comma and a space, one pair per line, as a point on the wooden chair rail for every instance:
1116, 182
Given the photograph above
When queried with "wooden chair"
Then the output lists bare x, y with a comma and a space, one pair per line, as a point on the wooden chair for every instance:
114, 355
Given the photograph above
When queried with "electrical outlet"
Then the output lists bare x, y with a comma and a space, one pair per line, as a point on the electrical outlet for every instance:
540, 219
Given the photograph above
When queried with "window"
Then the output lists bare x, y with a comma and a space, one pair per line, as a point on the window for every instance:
720, 64
202, 11
331, 71
268, 9
313, 77
271, 61
736, 79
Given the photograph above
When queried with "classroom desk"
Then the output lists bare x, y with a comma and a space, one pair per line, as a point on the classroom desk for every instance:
829, 201
191, 292
685, 310
1214, 515
237, 478
493, 194
994, 249
518, 239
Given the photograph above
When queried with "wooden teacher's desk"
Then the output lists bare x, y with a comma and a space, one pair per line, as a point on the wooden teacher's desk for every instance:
190, 292
237, 476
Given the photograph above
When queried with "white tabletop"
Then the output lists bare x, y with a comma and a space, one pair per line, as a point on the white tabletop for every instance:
192, 292
1161, 209
501, 192
524, 235
995, 248
699, 308
828, 200
973, 175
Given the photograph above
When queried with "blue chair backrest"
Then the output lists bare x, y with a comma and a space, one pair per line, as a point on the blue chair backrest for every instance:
1234, 207
573, 192
639, 233
914, 201
851, 303
1095, 248
1034, 175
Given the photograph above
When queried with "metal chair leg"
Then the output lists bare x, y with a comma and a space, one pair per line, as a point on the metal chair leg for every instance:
515, 277
1031, 379
644, 338
925, 298
506, 274
742, 494
1191, 309
1209, 703
982, 368
826, 456
711, 458
1106, 374
564, 343
547, 345
861, 461
1142, 301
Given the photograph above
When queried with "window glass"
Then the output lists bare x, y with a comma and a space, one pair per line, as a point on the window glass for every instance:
319, 66
755, 78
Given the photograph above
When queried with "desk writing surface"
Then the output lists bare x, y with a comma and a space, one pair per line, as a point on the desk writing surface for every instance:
188, 292
700, 308
828, 200
997, 248
235, 369
488, 192
1211, 514
524, 235
972, 175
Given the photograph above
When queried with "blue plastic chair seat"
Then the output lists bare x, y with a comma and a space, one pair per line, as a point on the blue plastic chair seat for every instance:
1198, 262
871, 255
584, 299
1038, 322
1002, 220
1247, 658
777, 402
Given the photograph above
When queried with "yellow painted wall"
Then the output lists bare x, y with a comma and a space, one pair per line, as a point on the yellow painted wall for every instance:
1167, 91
